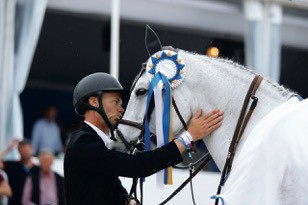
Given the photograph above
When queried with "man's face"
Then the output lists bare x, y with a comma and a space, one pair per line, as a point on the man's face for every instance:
25, 151
46, 161
51, 113
112, 103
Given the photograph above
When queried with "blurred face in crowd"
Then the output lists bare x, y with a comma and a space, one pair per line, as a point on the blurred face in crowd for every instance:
46, 161
51, 113
25, 151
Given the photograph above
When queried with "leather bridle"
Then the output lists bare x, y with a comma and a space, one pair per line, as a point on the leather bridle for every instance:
153, 45
241, 125
131, 146
239, 130
141, 126
138, 146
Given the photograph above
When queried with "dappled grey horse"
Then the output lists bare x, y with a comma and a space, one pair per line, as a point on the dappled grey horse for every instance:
270, 165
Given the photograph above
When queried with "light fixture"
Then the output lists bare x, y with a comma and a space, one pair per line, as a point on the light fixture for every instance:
212, 51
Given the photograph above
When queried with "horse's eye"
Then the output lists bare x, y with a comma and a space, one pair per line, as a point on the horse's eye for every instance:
141, 91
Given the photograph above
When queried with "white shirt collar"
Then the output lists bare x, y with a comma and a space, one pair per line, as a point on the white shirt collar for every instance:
101, 134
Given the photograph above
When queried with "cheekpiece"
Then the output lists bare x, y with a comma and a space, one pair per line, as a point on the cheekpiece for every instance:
168, 63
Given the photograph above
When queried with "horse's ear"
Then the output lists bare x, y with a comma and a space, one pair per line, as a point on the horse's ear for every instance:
152, 42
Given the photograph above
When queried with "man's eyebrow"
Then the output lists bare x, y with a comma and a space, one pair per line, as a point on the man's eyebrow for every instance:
117, 98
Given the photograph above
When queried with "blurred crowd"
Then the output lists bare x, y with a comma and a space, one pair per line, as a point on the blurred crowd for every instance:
30, 180
24, 182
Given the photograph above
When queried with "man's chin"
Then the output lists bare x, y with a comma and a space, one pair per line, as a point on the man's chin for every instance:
115, 124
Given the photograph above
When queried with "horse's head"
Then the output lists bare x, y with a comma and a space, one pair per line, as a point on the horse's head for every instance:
132, 127
209, 83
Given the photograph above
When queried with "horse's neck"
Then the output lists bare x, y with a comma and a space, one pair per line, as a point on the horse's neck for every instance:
221, 84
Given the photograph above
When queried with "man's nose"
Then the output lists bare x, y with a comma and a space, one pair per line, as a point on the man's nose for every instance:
121, 109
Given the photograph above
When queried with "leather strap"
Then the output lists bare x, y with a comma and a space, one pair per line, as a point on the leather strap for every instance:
207, 158
179, 114
248, 115
240, 127
131, 123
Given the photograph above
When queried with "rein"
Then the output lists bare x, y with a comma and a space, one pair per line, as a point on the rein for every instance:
240, 127
139, 146
207, 157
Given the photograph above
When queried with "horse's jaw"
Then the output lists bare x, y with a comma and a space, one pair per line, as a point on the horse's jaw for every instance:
118, 145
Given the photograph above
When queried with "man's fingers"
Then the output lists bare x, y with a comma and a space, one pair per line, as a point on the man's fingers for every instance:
215, 121
214, 127
210, 114
198, 114
201, 126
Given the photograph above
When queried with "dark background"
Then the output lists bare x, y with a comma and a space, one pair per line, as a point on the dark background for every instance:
71, 47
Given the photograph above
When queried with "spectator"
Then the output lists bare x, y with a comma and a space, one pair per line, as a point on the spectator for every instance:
17, 171
5, 188
46, 132
43, 186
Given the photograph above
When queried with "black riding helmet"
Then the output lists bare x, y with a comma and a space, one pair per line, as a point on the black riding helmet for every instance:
95, 85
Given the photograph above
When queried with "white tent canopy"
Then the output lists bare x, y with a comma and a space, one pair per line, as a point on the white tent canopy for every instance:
219, 16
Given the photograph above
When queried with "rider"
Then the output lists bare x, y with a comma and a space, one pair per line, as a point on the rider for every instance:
91, 170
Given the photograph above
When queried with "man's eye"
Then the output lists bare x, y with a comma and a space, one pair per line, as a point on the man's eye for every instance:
141, 91
116, 102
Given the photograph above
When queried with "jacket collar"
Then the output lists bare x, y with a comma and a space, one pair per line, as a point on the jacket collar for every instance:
88, 126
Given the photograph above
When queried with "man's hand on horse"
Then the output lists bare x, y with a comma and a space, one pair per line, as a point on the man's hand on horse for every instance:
201, 126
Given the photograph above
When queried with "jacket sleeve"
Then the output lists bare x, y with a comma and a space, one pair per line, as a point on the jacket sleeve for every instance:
121, 192
93, 155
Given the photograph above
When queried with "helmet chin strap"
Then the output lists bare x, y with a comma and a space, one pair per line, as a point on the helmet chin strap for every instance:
102, 112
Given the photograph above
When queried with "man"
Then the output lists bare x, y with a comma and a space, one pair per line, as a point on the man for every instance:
17, 171
91, 170
43, 186
46, 133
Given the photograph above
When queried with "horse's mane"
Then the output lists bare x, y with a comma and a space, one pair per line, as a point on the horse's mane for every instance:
284, 91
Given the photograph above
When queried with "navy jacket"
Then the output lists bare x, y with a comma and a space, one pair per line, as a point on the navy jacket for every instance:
35, 178
17, 175
91, 170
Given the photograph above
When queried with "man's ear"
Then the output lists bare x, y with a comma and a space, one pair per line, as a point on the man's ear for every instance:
93, 101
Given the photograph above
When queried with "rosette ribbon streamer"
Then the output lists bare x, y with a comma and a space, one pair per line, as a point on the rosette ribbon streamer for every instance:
161, 90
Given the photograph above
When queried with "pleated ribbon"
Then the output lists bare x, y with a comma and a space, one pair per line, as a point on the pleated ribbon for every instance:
161, 89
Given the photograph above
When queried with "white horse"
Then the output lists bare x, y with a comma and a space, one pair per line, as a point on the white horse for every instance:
271, 160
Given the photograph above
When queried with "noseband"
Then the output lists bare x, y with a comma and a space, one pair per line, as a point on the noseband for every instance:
139, 144
141, 126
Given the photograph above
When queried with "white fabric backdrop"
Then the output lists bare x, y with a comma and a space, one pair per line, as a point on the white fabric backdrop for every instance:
262, 37
17, 48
